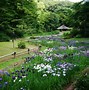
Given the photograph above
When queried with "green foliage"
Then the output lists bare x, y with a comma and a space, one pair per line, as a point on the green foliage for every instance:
63, 10
26, 17
59, 71
21, 45
53, 15
67, 35
80, 18
82, 83
4, 37
17, 16
51, 23
78, 36
32, 37
74, 32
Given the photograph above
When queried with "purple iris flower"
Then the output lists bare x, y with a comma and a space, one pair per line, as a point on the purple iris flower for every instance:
1, 72
0, 79
59, 63
87, 53
17, 70
32, 57
19, 76
0, 85
13, 77
5, 83
63, 47
13, 73
6, 73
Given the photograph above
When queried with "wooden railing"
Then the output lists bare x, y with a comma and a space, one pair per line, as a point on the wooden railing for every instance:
17, 54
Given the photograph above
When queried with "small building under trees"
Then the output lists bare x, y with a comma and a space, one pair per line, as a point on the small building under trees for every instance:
63, 28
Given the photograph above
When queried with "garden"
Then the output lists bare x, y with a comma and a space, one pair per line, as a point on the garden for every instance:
60, 63
44, 45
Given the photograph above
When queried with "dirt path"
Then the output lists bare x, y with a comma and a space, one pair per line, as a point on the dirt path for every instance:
69, 87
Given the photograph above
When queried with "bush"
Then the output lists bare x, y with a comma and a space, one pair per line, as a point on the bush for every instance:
82, 83
78, 36
21, 45
55, 32
74, 32
4, 37
67, 35
32, 37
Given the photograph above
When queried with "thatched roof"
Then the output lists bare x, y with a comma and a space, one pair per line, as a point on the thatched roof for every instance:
63, 27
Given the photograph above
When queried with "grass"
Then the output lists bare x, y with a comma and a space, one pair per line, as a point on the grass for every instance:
34, 79
8, 65
46, 33
11, 64
7, 47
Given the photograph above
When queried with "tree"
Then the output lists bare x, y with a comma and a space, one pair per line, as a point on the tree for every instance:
51, 22
16, 15
80, 18
63, 10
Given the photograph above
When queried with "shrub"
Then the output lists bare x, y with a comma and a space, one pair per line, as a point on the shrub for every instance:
78, 36
82, 83
21, 45
74, 32
67, 35
55, 32
32, 37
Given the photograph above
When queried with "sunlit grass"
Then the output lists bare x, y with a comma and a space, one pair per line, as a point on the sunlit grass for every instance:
7, 47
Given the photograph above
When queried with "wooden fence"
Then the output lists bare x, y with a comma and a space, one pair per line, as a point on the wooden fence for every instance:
17, 54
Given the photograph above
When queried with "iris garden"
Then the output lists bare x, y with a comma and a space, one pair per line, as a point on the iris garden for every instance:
51, 68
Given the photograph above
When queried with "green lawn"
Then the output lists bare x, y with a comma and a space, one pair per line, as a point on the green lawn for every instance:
12, 63
7, 47
46, 33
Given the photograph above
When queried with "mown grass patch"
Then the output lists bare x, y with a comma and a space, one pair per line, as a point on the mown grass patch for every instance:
7, 47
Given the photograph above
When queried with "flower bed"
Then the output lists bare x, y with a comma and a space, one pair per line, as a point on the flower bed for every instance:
50, 69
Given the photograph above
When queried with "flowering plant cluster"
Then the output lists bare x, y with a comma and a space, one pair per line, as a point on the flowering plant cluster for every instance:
45, 69
58, 70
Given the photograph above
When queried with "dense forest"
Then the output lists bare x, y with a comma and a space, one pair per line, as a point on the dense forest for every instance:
26, 17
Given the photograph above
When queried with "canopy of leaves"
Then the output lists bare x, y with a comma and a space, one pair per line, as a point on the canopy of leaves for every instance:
19, 17
80, 18
15, 15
